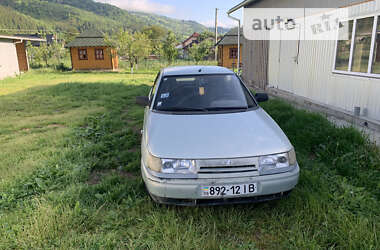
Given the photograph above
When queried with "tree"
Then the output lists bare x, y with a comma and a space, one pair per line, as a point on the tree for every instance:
131, 47
46, 54
58, 54
142, 47
157, 35
205, 35
201, 50
169, 47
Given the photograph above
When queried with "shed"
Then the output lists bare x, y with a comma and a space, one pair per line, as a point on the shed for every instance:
14, 59
228, 49
89, 51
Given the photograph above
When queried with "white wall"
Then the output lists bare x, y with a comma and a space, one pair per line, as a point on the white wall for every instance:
8, 59
312, 76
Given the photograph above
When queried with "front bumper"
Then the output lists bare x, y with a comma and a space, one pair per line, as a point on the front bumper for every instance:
188, 191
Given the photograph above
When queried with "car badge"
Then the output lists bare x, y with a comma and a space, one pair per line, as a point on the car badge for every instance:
228, 162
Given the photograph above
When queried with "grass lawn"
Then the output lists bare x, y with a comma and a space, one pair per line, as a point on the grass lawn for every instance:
69, 176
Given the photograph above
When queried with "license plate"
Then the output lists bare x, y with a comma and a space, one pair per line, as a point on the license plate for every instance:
229, 190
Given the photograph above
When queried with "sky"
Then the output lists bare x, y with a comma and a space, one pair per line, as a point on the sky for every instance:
202, 11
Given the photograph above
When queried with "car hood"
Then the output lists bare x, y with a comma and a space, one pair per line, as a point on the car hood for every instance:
214, 136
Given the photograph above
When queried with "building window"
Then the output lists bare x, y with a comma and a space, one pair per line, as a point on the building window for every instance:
99, 54
233, 53
360, 54
362, 45
376, 51
343, 48
82, 54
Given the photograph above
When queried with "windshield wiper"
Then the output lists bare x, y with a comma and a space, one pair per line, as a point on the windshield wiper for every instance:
179, 109
226, 108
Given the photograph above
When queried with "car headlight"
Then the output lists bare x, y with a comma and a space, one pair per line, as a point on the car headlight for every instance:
278, 163
169, 166
151, 161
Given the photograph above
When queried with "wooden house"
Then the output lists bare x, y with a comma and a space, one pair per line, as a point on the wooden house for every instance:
228, 49
89, 51
13, 55
187, 44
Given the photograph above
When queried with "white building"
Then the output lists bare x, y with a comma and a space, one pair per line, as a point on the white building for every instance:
13, 57
340, 75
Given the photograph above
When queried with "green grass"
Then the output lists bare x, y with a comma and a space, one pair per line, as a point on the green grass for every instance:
69, 176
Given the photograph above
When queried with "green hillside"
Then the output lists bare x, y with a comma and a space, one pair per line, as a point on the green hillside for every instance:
11, 19
76, 16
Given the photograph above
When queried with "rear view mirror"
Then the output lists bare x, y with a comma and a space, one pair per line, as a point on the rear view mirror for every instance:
142, 101
261, 97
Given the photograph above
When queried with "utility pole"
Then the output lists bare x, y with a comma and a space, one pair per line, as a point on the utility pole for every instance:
216, 34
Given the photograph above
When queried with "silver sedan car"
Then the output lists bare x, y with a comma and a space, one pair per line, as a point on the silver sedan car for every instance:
206, 141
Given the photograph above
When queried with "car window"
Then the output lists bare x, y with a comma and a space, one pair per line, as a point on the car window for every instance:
202, 93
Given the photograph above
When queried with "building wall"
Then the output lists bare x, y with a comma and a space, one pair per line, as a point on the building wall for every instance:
91, 63
115, 59
255, 59
8, 59
309, 73
22, 57
224, 59
255, 62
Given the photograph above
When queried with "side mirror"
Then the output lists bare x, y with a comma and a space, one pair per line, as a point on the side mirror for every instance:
261, 97
142, 101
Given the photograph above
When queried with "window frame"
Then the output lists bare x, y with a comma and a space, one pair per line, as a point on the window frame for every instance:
349, 71
99, 59
79, 54
230, 53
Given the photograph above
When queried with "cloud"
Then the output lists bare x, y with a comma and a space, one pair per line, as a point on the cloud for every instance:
147, 6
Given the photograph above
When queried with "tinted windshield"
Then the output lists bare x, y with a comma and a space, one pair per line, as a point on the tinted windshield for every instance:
202, 93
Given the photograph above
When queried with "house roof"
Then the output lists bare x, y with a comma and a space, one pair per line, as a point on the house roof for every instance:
194, 35
22, 38
230, 38
240, 5
49, 37
88, 38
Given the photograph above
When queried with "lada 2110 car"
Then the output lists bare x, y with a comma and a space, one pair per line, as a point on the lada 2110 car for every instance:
206, 140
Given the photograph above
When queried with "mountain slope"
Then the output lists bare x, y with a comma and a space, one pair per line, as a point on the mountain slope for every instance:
11, 20
69, 15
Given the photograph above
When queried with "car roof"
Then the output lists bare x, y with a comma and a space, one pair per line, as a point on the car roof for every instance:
195, 70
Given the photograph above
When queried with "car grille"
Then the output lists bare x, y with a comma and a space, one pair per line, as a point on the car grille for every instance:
228, 168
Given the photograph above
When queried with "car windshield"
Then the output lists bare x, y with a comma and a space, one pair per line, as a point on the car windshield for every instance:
202, 93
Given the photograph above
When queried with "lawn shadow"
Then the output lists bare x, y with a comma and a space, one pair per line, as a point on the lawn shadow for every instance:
102, 138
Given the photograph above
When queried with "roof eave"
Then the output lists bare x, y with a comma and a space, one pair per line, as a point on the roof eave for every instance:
240, 5
23, 38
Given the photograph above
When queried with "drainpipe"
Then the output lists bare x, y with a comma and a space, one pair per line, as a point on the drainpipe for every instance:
238, 59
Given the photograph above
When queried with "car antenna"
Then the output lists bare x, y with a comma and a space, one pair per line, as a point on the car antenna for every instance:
200, 70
